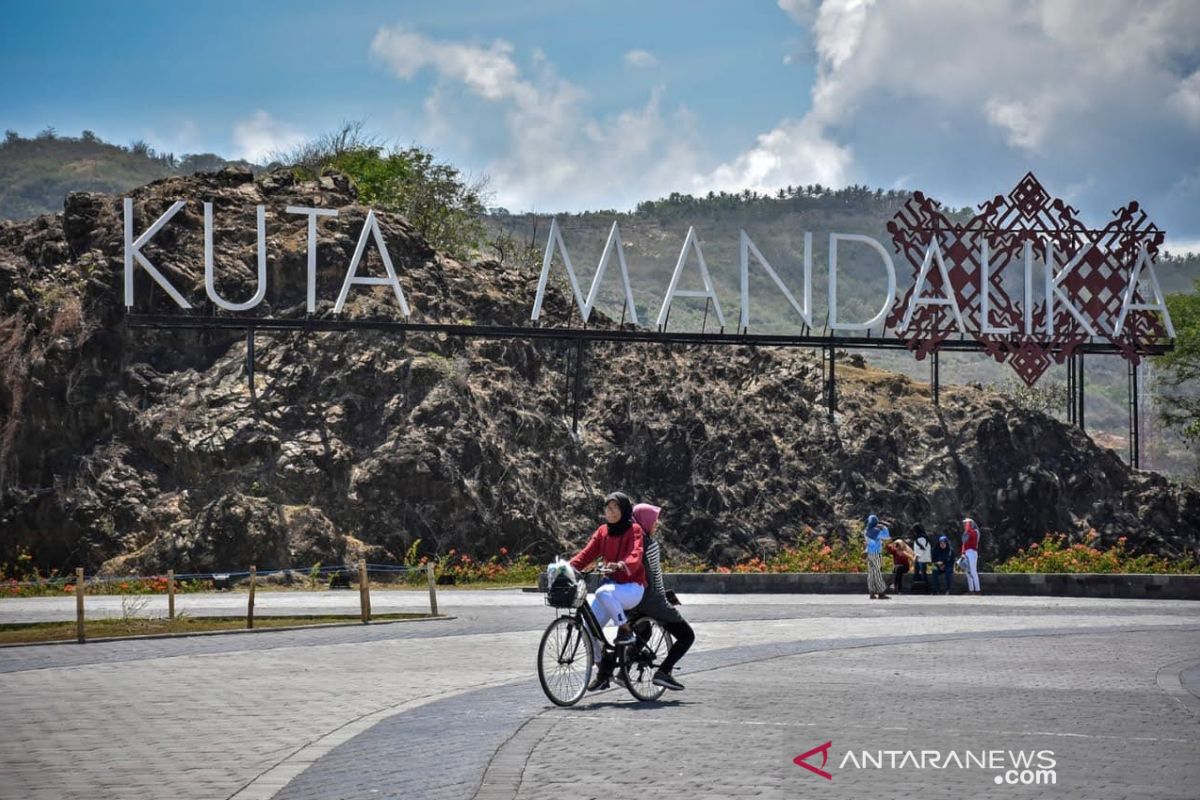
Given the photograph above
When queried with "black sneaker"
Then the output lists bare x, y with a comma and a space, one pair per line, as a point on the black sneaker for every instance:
624, 638
666, 680
599, 683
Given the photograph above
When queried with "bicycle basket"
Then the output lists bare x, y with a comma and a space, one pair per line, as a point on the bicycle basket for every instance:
566, 592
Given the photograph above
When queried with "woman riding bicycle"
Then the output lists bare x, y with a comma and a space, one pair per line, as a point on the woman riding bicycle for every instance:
618, 544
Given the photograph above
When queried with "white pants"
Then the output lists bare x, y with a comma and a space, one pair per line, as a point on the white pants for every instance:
972, 575
612, 601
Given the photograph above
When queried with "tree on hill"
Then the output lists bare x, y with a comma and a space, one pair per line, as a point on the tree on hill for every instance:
1180, 375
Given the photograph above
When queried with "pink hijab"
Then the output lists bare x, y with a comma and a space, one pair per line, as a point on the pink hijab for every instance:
646, 516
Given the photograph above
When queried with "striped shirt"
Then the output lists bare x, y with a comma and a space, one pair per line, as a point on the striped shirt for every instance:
653, 564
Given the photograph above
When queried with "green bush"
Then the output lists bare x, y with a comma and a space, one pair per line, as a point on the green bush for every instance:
438, 200
1055, 554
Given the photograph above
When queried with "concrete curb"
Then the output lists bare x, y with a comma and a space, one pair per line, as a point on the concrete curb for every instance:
1056, 584
1157, 587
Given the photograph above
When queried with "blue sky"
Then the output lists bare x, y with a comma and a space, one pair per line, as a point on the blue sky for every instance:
567, 106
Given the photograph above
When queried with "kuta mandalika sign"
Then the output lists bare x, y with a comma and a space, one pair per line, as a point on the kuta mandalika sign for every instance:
1076, 284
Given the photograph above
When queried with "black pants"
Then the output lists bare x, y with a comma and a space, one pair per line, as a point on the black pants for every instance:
898, 577
684, 636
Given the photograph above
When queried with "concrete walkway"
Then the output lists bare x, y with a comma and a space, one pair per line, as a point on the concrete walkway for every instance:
452, 708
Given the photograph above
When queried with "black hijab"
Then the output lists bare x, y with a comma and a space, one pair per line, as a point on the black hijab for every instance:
619, 528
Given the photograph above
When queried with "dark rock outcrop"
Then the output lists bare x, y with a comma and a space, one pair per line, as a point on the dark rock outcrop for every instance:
144, 449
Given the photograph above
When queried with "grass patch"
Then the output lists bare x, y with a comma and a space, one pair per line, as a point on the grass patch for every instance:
33, 632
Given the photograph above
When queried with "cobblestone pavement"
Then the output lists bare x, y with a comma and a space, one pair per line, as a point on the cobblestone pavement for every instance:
450, 708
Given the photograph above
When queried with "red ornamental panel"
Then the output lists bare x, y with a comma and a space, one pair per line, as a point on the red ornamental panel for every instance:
1028, 214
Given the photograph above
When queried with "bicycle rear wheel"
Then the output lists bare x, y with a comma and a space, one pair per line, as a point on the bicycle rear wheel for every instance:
639, 661
565, 661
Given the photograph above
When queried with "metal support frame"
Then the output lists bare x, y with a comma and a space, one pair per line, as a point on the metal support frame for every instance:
580, 336
1080, 384
1135, 443
578, 387
935, 378
1071, 406
832, 401
250, 362
648, 336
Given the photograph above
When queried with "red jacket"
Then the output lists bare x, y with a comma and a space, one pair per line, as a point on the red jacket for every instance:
970, 540
627, 548
899, 556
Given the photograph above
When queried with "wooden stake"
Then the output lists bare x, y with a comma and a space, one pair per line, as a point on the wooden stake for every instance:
250, 604
364, 591
432, 588
79, 605
170, 594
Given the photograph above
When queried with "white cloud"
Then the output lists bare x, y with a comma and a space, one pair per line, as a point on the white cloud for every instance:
801, 151
1182, 246
490, 72
964, 97
555, 153
793, 153
1186, 98
261, 136
1024, 128
1100, 97
640, 58
799, 10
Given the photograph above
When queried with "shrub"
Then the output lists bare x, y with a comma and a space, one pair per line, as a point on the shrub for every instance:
441, 203
1054, 553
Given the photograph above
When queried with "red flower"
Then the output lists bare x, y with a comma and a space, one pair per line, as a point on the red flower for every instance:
503, 551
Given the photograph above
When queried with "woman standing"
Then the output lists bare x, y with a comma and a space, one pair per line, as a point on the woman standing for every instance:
875, 534
970, 549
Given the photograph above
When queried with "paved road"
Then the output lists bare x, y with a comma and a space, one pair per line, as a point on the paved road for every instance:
452, 708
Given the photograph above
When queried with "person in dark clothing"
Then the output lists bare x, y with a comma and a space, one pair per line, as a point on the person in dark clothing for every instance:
943, 566
658, 603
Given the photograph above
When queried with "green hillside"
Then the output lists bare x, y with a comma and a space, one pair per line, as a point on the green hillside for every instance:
36, 174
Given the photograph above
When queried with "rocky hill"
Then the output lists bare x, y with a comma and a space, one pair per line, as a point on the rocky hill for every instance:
140, 449
654, 232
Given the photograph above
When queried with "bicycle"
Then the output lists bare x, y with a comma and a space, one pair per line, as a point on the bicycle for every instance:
566, 660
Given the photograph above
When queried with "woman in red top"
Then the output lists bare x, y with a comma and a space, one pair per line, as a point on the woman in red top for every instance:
970, 549
902, 558
618, 544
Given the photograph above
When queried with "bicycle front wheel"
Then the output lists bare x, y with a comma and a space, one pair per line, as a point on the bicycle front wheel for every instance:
639, 661
565, 661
